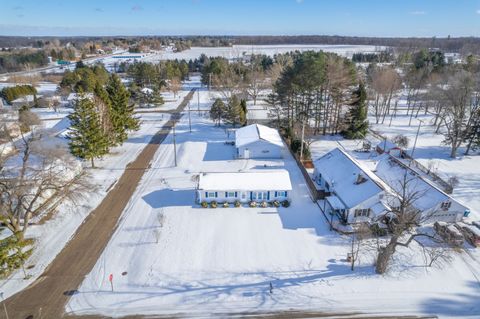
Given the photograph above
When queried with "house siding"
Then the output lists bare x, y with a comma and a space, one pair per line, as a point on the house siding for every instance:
260, 149
222, 196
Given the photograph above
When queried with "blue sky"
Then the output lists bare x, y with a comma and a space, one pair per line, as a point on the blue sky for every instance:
241, 17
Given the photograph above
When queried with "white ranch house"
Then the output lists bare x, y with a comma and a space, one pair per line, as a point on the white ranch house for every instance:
434, 203
258, 141
353, 193
259, 186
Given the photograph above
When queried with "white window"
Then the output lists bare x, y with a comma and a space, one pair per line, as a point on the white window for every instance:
211, 195
362, 212
230, 194
281, 194
446, 205
259, 195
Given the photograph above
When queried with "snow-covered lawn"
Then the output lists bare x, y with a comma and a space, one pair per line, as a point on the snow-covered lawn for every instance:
223, 260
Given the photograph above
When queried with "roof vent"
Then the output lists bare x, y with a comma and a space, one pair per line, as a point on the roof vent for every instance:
360, 179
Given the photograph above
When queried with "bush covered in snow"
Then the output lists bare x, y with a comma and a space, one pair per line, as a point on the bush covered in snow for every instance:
285, 203
252, 204
275, 203
213, 204
237, 203
204, 204
226, 205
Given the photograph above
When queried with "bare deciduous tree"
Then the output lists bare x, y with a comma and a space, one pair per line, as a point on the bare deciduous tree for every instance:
35, 179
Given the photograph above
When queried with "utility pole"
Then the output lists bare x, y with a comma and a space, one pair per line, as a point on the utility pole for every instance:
198, 100
174, 143
301, 145
189, 118
4, 306
416, 137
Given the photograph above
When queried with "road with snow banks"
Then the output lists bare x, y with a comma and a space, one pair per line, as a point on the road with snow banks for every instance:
47, 296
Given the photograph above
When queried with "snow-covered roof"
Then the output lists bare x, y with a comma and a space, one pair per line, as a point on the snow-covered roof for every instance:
335, 202
252, 133
26, 99
251, 180
146, 91
341, 171
75, 96
426, 195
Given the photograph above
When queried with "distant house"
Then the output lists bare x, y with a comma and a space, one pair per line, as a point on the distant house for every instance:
435, 204
353, 192
259, 186
73, 97
28, 100
258, 141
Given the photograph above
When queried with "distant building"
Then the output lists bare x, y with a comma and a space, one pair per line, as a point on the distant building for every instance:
259, 186
258, 141
73, 97
28, 100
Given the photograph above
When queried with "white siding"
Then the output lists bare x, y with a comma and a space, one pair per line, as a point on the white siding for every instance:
260, 149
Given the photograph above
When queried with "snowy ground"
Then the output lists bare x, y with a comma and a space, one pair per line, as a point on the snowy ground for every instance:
54, 234
237, 51
223, 260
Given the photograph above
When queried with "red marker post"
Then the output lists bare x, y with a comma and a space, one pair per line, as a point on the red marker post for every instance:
110, 278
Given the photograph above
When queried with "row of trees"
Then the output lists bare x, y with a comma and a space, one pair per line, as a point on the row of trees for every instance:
103, 121
233, 113
22, 60
14, 92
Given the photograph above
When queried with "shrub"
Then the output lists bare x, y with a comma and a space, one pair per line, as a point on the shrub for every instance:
237, 203
377, 230
204, 204
276, 203
252, 204
285, 203
264, 204
226, 205
213, 204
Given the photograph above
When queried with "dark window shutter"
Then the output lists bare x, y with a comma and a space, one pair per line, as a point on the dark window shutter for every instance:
216, 194
251, 195
236, 194
286, 194
226, 194
276, 194
268, 195
206, 194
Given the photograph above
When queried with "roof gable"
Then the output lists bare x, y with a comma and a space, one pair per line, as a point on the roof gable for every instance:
342, 173
256, 132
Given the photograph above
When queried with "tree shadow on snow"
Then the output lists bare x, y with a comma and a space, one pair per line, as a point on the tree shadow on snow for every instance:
202, 292
169, 197
455, 305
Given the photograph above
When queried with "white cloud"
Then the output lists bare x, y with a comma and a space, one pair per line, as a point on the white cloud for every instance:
418, 13
478, 11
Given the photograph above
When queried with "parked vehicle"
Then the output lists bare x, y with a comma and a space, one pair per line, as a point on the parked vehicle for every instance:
476, 224
470, 232
449, 233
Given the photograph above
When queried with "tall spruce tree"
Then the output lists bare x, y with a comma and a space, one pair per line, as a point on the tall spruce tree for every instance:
358, 124
233, 114
87, 139
122, 117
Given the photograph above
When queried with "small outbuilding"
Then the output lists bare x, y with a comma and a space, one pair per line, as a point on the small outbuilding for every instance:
258, 141
258, 185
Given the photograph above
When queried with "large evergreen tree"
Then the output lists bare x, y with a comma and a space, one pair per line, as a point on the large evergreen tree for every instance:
234, 113
87, 139
358, 124
122, 116
217, 111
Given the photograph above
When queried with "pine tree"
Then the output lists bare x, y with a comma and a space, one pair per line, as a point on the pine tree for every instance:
243, 112
233, 114
358, 125
122, 113
217, 111
87, 139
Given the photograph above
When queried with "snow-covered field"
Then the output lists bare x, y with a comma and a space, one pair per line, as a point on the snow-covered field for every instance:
204, 261
237, 51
